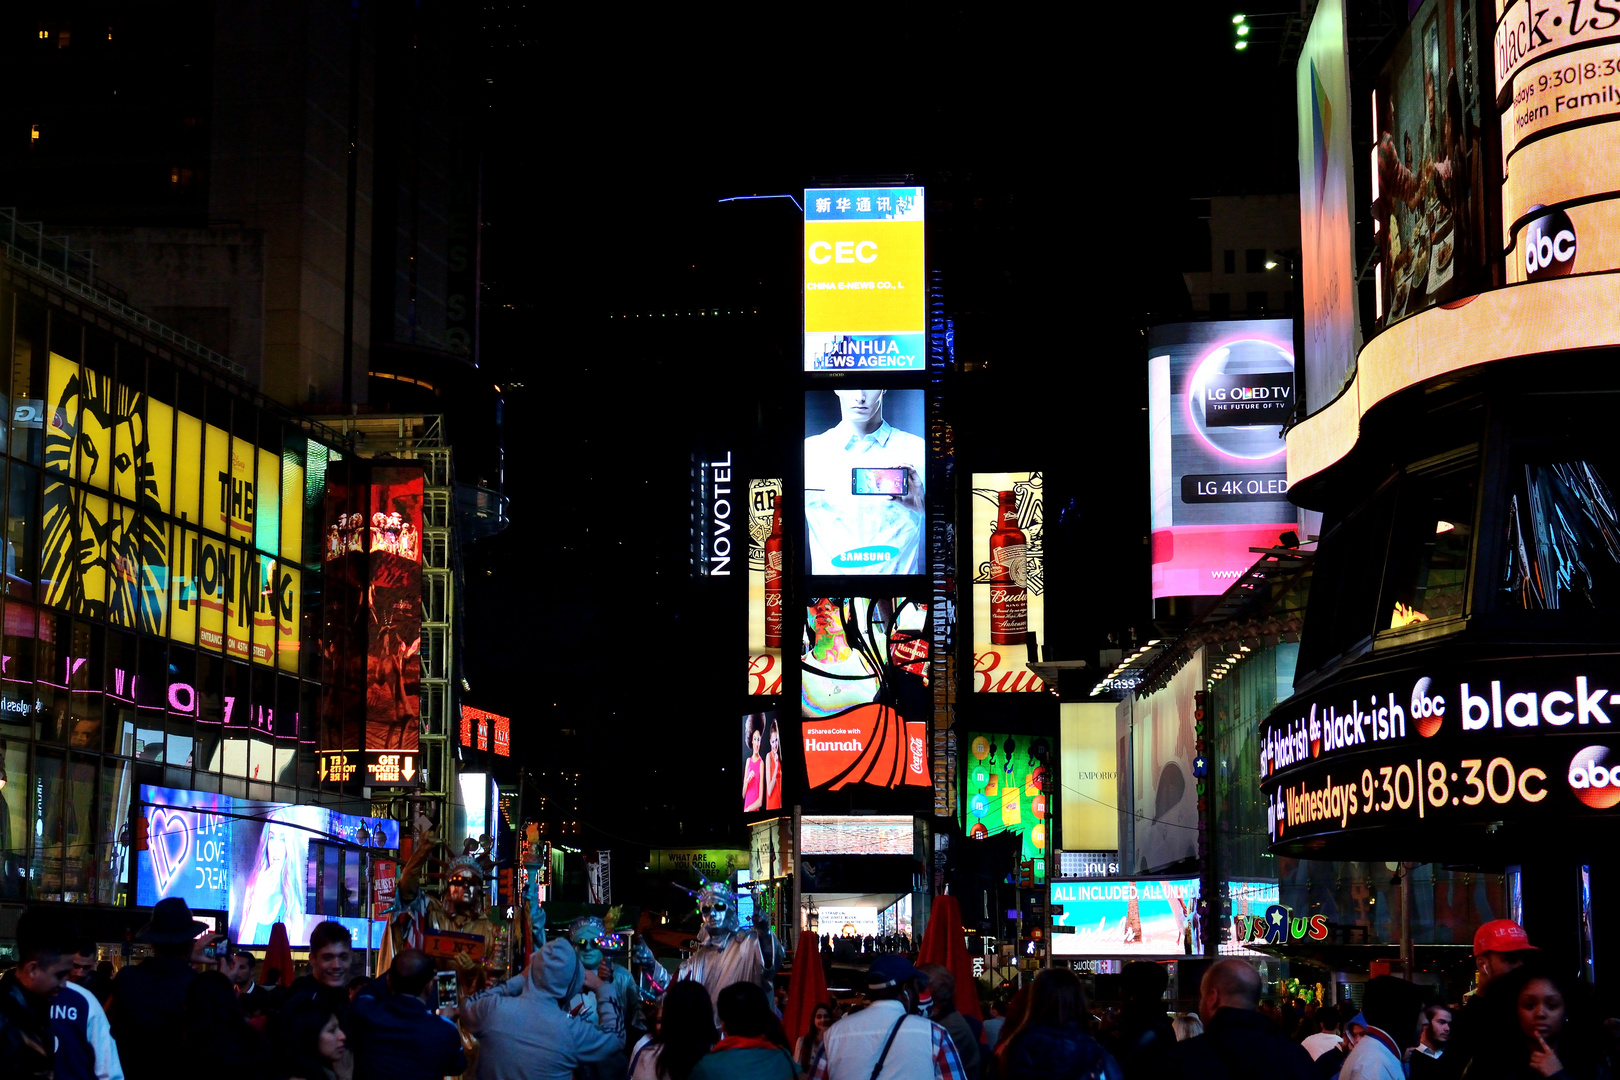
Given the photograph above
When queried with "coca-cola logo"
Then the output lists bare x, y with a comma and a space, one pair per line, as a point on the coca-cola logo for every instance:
917, 754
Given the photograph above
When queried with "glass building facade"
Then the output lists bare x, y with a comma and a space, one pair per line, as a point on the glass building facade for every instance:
160, 592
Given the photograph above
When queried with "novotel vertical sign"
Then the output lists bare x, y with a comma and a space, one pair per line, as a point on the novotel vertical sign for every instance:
714, 518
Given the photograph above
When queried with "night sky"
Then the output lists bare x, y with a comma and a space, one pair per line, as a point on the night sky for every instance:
1060, 157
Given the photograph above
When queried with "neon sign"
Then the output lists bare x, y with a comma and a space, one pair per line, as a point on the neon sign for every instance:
1279, 926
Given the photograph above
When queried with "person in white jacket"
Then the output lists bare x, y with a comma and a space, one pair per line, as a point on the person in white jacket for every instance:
1393, 1008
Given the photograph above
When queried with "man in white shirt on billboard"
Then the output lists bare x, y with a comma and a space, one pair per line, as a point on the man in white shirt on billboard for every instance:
863, 534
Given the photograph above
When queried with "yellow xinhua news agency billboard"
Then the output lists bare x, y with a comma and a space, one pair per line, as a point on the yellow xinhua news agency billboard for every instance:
865, 282
159, 522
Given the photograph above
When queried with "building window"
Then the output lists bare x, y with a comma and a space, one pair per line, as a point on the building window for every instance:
1220, 303
1428, 554
1257, 303
1229, 261
1254, 261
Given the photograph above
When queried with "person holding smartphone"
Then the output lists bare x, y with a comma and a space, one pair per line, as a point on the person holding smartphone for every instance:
395, 1034
863, 491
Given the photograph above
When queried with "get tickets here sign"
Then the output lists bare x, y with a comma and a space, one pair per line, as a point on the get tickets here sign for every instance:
864, 280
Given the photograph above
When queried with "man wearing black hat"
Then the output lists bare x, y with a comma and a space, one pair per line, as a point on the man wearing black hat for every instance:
148, 998
888, 1040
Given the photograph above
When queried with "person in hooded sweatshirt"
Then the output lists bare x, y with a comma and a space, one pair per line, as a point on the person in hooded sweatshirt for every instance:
524, 1030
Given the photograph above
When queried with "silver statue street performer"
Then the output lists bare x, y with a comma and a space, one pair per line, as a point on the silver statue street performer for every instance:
725, 953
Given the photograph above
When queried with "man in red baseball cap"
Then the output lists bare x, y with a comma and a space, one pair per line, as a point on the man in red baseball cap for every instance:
1500, 946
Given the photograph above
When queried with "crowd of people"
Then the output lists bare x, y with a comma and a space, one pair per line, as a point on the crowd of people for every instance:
181, 1012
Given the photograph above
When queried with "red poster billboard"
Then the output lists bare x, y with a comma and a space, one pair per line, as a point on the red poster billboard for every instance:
394, 638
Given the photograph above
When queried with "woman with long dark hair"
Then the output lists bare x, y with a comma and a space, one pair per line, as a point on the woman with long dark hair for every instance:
810, 1042
311, 1045
755, 1046
1536, 1037
685, 1033
1051, 1041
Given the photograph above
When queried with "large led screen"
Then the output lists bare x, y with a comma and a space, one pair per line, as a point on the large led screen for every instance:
1219, 394
1009, 580
1150, 917
1008, 785
1247, 900
157, 521
864, 280
766, 578
1088, 775
1163, 786
761, 763
864, 692
864, 469
262, 862
876, 834
1327, 260
1429, 171
1559, 214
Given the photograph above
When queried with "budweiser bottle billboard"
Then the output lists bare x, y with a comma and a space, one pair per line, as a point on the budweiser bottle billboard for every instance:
773, 580
1009, 621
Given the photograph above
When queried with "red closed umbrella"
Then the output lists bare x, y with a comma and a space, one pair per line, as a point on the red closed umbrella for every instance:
278, 955
807, 988
943, 945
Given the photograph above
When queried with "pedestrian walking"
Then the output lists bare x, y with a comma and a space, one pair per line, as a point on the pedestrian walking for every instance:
44, 960
393, 1035
754, 1046
84, 1044
523, 1031
1238, 1042
887, 1040
942, 988
1051, 1041
1392, 1007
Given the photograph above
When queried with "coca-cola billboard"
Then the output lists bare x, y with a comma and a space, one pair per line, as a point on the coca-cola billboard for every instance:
1009, 581
864, 692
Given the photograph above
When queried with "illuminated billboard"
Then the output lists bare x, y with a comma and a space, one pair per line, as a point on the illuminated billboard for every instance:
1137, 918
1163, 786
1327, 268
1009, 580
1448, 745
157, 521
486, 730
864, 692
1429, 172
372, 642
865, 463
1088, 768
761, 762
1247, 900
865, 289
1219, 394
766, 571
872, 834
1559, 212
262, 862
1007, 789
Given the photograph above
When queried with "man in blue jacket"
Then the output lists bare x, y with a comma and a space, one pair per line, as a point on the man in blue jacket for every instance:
393, 1032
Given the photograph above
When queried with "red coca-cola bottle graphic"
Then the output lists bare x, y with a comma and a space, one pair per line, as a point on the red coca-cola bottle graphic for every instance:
1009, 612
773, 579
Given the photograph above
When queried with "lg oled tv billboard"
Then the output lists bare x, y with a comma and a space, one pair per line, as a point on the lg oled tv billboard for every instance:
1219, 394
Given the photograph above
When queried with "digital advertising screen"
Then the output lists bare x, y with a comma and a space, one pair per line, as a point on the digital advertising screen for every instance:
1219, 394
864, 696
1088, 774
1009, 581
1429, 173
262, 862
1327, 257
1555, 81
761, 762
1247, 900
1007, 783
840, 921
1163, 787
1447, 745
1136, 918
159, 522
865, 464
865, 286
766, 579
869, 834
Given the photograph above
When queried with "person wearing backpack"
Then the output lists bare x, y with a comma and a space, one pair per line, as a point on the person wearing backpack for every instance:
888, 1040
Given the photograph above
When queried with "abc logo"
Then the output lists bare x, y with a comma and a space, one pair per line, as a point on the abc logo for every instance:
1595, 783
1549, 245
1427, 712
